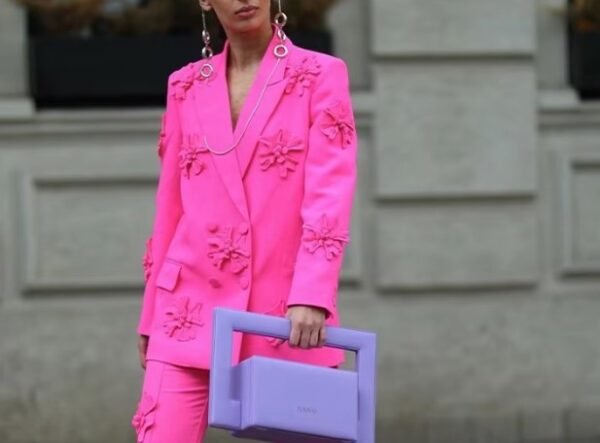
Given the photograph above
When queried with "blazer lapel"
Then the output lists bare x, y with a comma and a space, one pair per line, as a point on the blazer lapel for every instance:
212, 107
272, 70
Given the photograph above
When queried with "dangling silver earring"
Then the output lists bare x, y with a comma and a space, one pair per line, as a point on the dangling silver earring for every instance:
206, 70
280, 20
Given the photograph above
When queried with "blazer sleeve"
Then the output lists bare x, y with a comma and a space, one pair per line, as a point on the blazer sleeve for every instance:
329, 187
168, 207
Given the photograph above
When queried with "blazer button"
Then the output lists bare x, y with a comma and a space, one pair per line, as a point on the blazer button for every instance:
212, 227
214, 282
243, 228
244, 283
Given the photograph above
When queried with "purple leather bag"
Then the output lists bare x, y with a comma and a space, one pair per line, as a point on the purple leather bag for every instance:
281, 401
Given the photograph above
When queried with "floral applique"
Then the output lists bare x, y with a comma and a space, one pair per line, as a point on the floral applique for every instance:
337, 124
190, 160
143, 418
302, 75
147, 260
182, 319
324, 236
228, 247
277, 150
162, 136
183, 81
278, 311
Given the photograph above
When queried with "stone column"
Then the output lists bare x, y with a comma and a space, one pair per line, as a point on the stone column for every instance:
14, 95
552, 54
349, 20
456, 142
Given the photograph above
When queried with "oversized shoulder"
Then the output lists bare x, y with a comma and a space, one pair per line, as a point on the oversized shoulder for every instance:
181, 80
328, 65
184, 73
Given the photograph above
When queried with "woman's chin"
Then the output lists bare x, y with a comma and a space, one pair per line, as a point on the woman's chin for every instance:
247, 26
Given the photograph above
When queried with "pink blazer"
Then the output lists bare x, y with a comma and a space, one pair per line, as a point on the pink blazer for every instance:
260, 228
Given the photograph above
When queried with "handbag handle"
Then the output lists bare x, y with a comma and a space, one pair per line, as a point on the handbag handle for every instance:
225, 412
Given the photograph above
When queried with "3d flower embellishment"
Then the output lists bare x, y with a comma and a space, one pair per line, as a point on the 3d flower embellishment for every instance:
278, 150
302, 75
147, 259
324, 236
190, 160
337, 124
186, 77
143, 418
162, 135
183, 81
228, 247
182, 319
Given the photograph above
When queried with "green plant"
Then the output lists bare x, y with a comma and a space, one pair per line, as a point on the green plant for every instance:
157, 16
186, 16
63, 16
585, 14
307, 14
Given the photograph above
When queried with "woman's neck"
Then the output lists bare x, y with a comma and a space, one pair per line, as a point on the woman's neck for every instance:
247, 49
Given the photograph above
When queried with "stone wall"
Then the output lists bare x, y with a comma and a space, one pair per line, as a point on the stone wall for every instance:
475, 253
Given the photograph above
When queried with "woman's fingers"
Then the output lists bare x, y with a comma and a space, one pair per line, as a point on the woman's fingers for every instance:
322, 336
308, 326
314, 337
294, 335
305, 337
300, 335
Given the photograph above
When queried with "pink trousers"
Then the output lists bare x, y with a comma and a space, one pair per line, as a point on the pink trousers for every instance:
174, 404
173, 407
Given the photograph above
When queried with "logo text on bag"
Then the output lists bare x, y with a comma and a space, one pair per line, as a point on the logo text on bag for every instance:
306, 410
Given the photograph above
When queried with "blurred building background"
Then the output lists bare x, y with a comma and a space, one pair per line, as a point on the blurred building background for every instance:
475, 252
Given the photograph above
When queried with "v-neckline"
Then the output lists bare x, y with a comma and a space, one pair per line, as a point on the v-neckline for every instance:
234, 125
252, 90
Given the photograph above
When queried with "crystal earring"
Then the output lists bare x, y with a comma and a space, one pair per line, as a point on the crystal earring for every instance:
280, 20
206, 70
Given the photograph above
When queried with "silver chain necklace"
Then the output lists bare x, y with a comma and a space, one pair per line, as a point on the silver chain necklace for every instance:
260, 97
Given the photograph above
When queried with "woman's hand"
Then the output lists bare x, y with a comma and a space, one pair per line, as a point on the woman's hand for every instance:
308, 326
142, 347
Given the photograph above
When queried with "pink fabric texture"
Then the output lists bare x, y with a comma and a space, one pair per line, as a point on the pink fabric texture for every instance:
173, 406
261, 228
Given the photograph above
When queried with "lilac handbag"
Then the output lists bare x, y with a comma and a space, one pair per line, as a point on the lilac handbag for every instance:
281, 401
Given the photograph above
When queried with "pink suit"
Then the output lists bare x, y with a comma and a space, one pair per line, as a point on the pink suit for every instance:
260, 228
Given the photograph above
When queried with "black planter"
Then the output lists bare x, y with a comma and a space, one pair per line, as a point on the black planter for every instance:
584, 62
118, 71
321, 41
105, 70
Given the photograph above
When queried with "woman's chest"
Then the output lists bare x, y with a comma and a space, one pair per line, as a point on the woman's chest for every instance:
235, 112
239, 86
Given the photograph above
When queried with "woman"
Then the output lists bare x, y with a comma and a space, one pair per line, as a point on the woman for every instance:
258, 170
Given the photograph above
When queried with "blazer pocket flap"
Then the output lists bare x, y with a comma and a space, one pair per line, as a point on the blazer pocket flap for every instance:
168, 276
